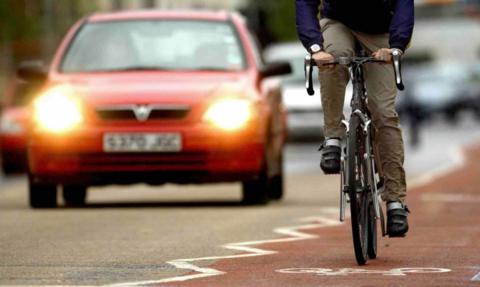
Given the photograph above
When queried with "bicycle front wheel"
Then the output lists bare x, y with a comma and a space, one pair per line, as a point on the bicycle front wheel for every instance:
372, 232
358, 191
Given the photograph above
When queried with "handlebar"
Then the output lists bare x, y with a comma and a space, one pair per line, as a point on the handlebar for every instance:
308, 75
347, 61
397, 67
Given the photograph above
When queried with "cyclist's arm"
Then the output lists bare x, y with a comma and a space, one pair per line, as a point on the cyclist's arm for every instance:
401, 27
308, 26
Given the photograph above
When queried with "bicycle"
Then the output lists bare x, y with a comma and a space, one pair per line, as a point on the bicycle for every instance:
360, 175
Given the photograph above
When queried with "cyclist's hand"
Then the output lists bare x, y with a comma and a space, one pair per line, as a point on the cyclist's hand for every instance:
383, 54
321, 58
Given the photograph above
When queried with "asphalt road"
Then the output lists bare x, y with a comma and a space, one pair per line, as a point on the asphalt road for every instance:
127, 234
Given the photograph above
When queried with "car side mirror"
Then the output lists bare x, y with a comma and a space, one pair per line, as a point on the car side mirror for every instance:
32, 71
276, 69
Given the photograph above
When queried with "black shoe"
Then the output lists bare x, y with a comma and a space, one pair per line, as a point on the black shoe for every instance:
397, 222
331, 153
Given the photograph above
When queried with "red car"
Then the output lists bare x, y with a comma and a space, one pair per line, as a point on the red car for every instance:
156, 97
14, 127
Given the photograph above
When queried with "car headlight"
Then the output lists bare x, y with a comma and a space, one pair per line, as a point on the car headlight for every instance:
57, 110
10, 126
230, 114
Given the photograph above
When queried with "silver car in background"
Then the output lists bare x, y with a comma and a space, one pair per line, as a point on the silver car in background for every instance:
305, 113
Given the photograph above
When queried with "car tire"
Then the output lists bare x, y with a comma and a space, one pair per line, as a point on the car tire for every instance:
8, 169
452, 116
256, 192
74, 195
42, 195
275, 189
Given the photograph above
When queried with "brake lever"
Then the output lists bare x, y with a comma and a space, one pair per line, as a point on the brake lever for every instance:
397, 66
308, 67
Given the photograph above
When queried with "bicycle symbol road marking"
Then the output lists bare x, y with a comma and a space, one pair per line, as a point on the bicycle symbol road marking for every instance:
349, 271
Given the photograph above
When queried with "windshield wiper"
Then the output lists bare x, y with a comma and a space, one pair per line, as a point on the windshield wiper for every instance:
134, 68
147, 68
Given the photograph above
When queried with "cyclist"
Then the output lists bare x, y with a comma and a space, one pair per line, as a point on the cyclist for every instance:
379, 26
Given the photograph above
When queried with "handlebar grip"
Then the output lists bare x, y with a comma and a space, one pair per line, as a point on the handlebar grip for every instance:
308, 67
397, 66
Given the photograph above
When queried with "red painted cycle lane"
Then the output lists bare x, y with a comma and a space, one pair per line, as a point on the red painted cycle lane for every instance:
442, 248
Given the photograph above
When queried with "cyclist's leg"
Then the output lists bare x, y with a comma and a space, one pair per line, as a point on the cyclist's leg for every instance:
338, 41
382, 93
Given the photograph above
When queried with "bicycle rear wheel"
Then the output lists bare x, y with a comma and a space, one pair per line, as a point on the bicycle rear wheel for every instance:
358, 193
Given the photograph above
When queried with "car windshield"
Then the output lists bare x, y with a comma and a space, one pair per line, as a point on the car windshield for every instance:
295, 55
297, 77
154, 45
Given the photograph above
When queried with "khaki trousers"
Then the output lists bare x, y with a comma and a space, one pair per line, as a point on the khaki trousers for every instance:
339, 40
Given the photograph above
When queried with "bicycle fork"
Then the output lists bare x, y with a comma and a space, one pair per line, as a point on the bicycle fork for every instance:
370, 161
343, 177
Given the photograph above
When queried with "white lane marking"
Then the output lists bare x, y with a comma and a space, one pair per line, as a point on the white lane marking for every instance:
293, 233
458, 160
347, 271
476, 277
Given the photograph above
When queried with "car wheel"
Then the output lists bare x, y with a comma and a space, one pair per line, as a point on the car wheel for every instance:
42, 195
256, 192
8, 169
74, 195
275, 189
477, 112
452, 116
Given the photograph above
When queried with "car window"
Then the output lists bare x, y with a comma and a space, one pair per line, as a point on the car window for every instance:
154, 44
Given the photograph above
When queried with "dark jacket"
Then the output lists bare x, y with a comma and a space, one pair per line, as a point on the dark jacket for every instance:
369, 16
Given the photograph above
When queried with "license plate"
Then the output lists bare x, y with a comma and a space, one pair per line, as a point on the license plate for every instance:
142, 142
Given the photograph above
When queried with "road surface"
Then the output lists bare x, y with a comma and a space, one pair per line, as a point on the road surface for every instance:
130, 234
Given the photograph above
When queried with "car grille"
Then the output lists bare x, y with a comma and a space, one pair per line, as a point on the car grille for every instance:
143, 113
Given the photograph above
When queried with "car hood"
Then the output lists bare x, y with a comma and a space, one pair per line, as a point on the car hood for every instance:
296, 99
152, 88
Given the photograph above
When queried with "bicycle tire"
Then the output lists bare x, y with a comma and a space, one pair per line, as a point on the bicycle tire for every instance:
369, 173
358, 200
372, 232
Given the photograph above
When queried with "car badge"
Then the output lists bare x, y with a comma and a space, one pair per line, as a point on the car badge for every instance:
142, 112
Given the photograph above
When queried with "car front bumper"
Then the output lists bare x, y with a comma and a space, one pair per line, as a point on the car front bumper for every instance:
207, 155
14, 151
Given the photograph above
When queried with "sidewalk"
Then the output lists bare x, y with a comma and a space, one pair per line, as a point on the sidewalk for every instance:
445, 235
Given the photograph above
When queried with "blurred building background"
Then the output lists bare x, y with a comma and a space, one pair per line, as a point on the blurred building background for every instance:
446, 30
